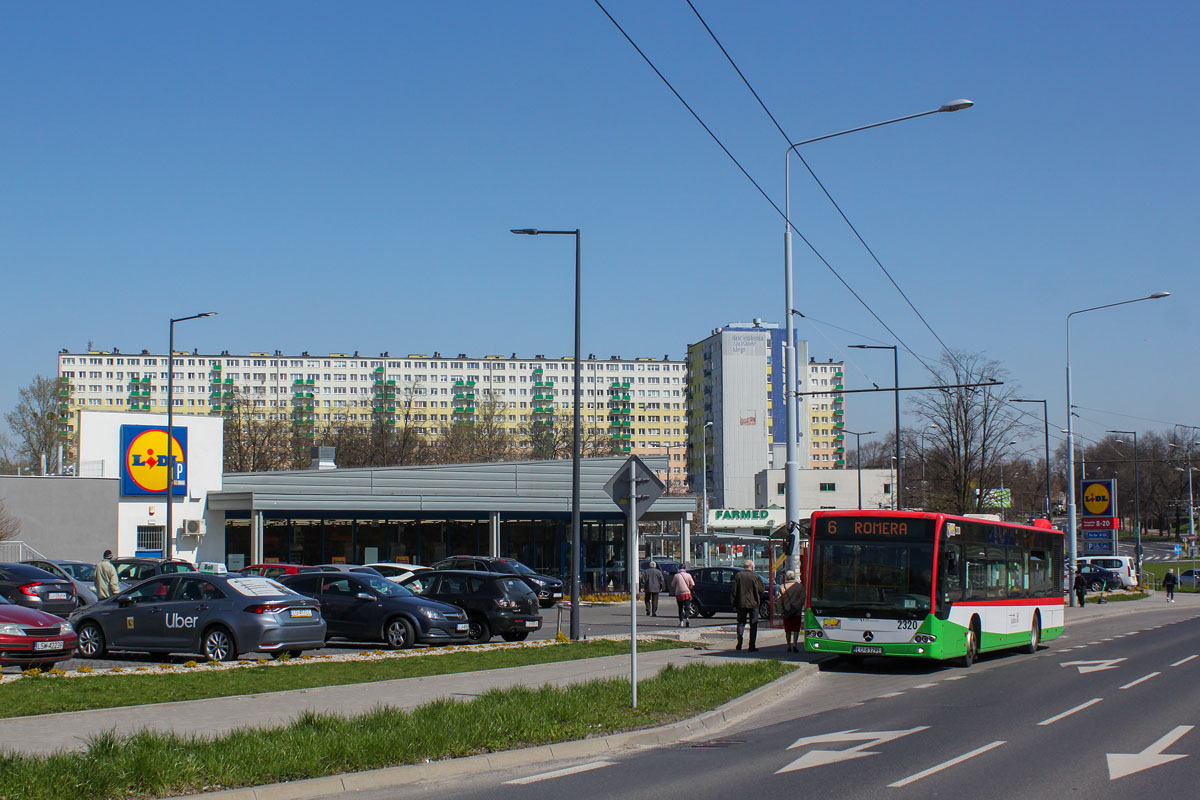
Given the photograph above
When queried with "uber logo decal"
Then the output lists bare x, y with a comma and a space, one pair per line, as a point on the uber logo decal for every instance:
179, 621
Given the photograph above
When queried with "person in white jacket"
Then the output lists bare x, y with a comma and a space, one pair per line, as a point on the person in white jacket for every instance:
681, 586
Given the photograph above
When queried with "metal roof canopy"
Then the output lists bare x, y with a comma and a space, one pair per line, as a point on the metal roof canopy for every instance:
523, 487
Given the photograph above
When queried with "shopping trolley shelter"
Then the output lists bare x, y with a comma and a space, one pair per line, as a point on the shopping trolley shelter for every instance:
926, 585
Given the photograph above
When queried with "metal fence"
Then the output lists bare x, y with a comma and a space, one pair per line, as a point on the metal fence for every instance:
11, 552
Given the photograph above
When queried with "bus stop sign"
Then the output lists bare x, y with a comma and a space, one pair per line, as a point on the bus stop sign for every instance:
649, 487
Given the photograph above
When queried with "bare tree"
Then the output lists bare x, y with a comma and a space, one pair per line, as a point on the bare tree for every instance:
34, 422
10, 526
967, 432
254, 442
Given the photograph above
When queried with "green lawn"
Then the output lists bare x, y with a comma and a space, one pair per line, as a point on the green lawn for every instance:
48, 694
156, 765
1159, 568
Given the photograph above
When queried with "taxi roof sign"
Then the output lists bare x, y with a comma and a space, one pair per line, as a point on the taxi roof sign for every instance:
213, 568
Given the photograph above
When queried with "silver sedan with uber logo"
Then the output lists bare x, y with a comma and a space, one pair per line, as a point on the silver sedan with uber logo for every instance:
218, 616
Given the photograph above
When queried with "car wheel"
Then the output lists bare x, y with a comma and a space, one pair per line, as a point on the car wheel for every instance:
478, 631
764, 610
91, 640
519, 636
218, 645
398, 633
696, 610
1096, 586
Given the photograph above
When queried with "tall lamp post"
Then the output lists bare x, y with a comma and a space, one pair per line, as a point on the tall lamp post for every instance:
858, 451
792, 465
1137, 496
895, 377
168, 544
1046, 426
576, 532
1071, 522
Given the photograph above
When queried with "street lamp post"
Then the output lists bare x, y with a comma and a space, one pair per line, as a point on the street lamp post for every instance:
1046, 426
576, 533
1137, 496
858, 450
896, 378
168, 544
792, 465
1071, 522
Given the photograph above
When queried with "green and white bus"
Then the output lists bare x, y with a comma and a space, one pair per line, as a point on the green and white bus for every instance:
925, 585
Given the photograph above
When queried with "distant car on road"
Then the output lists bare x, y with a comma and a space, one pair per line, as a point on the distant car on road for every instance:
218, 616
30, 638
371, 608
27, 586
495, 602
80, 573
549, 590
1190, 578
1097, 578
276, 570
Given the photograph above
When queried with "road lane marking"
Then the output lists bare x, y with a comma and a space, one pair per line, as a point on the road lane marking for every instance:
1131, 684
956, 677
925, 686
892, 694
945, 764
816, 758
1093, 666
1071, 711
559, 773
1183, 661
1122, 764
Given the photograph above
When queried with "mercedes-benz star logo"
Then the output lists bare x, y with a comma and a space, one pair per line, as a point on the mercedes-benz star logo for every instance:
868, 636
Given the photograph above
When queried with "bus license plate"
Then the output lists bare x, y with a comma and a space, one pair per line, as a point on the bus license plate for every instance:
302, 612
55, 645
867, 650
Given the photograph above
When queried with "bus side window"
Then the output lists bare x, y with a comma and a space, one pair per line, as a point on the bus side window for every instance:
950, 574
1018, 581
997, 579
977, 577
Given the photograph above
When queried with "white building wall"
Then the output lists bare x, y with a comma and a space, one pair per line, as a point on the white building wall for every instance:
741, 445
876, 489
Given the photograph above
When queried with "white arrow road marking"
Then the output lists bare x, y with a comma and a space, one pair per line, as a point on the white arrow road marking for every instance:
958, 760
1071, 711
815, 758
559, 773
1122, 764
1093, 666
1131, 684
1183, 661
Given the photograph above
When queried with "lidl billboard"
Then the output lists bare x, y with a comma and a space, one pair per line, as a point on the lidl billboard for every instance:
1099, 498
144, 460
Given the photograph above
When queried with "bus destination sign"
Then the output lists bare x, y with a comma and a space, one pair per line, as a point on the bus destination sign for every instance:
875, 528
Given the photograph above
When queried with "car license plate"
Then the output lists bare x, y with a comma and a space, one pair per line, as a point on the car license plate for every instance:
532, 623
867, 650
558, 595
55, 645
302, 612
57, 595
462, 626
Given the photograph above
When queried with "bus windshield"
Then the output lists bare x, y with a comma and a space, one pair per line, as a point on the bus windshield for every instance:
872, 576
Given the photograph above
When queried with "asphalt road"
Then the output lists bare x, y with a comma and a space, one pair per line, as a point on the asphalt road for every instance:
1112, 709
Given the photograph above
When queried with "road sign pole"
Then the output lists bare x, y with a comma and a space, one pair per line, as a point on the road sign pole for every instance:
632, 563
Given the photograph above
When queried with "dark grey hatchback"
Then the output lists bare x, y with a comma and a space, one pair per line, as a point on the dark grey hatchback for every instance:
219, 616
25, 585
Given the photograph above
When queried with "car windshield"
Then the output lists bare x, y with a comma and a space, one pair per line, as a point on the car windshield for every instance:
385, 587
517, 567
80, 572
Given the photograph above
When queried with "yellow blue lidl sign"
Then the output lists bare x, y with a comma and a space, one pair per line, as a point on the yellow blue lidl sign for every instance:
144, 460
1099, 498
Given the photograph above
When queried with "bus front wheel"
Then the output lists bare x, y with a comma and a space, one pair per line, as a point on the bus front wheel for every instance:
1035, 634
972, 644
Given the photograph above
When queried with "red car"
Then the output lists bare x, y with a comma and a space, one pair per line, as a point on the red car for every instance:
32, 638
276, 570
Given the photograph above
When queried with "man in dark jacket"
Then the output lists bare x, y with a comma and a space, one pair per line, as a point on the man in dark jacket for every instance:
653, 583
745, 599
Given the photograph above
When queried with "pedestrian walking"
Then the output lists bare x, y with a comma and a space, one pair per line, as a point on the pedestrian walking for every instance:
789, 604
1080, 584
1169, 581
653, 582
681, 586
106, 577
745, 599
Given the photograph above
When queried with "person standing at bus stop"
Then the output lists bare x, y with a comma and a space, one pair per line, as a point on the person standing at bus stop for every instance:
653, 582
789, 604
1168, 584
745, 599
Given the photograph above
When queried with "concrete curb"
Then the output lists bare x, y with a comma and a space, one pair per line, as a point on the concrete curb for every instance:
684, 730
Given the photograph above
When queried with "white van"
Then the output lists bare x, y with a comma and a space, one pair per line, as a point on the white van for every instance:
1122, 565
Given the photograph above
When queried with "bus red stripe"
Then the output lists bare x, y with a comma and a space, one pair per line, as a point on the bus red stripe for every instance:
1013, 601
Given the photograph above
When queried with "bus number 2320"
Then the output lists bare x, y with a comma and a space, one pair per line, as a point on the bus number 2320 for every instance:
908, 624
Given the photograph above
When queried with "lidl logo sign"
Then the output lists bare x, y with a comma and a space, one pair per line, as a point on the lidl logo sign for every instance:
144, 460
1099, 498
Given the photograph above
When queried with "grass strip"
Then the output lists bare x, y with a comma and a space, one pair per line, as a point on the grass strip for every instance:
49, 695
1118, 598
156, 765
1159, 568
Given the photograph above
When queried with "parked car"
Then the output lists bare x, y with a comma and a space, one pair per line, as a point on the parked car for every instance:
217, 616
713, 587
1097, 578
495, 602
549, 590
27, 586
31, 638
668, 566
348, 568
1122, 565
133, 570
80, 573
362, 607
395, 571
276, 570
1190, 578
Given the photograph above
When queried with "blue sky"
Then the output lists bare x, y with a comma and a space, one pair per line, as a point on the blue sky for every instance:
332, 177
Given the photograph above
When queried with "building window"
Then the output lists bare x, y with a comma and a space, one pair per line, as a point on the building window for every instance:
828, 487
780, 488
887, 488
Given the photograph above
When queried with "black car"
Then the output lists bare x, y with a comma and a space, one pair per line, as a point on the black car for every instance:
495, 602
1097, 578
364, 607
548, 590
667, 566
713, 588
28, 586
134, 570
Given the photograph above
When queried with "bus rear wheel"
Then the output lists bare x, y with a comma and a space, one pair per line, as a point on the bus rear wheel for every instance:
972, 653
1035, 634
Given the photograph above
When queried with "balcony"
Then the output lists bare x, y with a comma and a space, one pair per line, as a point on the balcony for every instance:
379, 370
537, 371
215, 368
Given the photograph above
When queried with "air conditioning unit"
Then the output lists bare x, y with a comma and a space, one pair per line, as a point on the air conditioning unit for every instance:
194, 527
